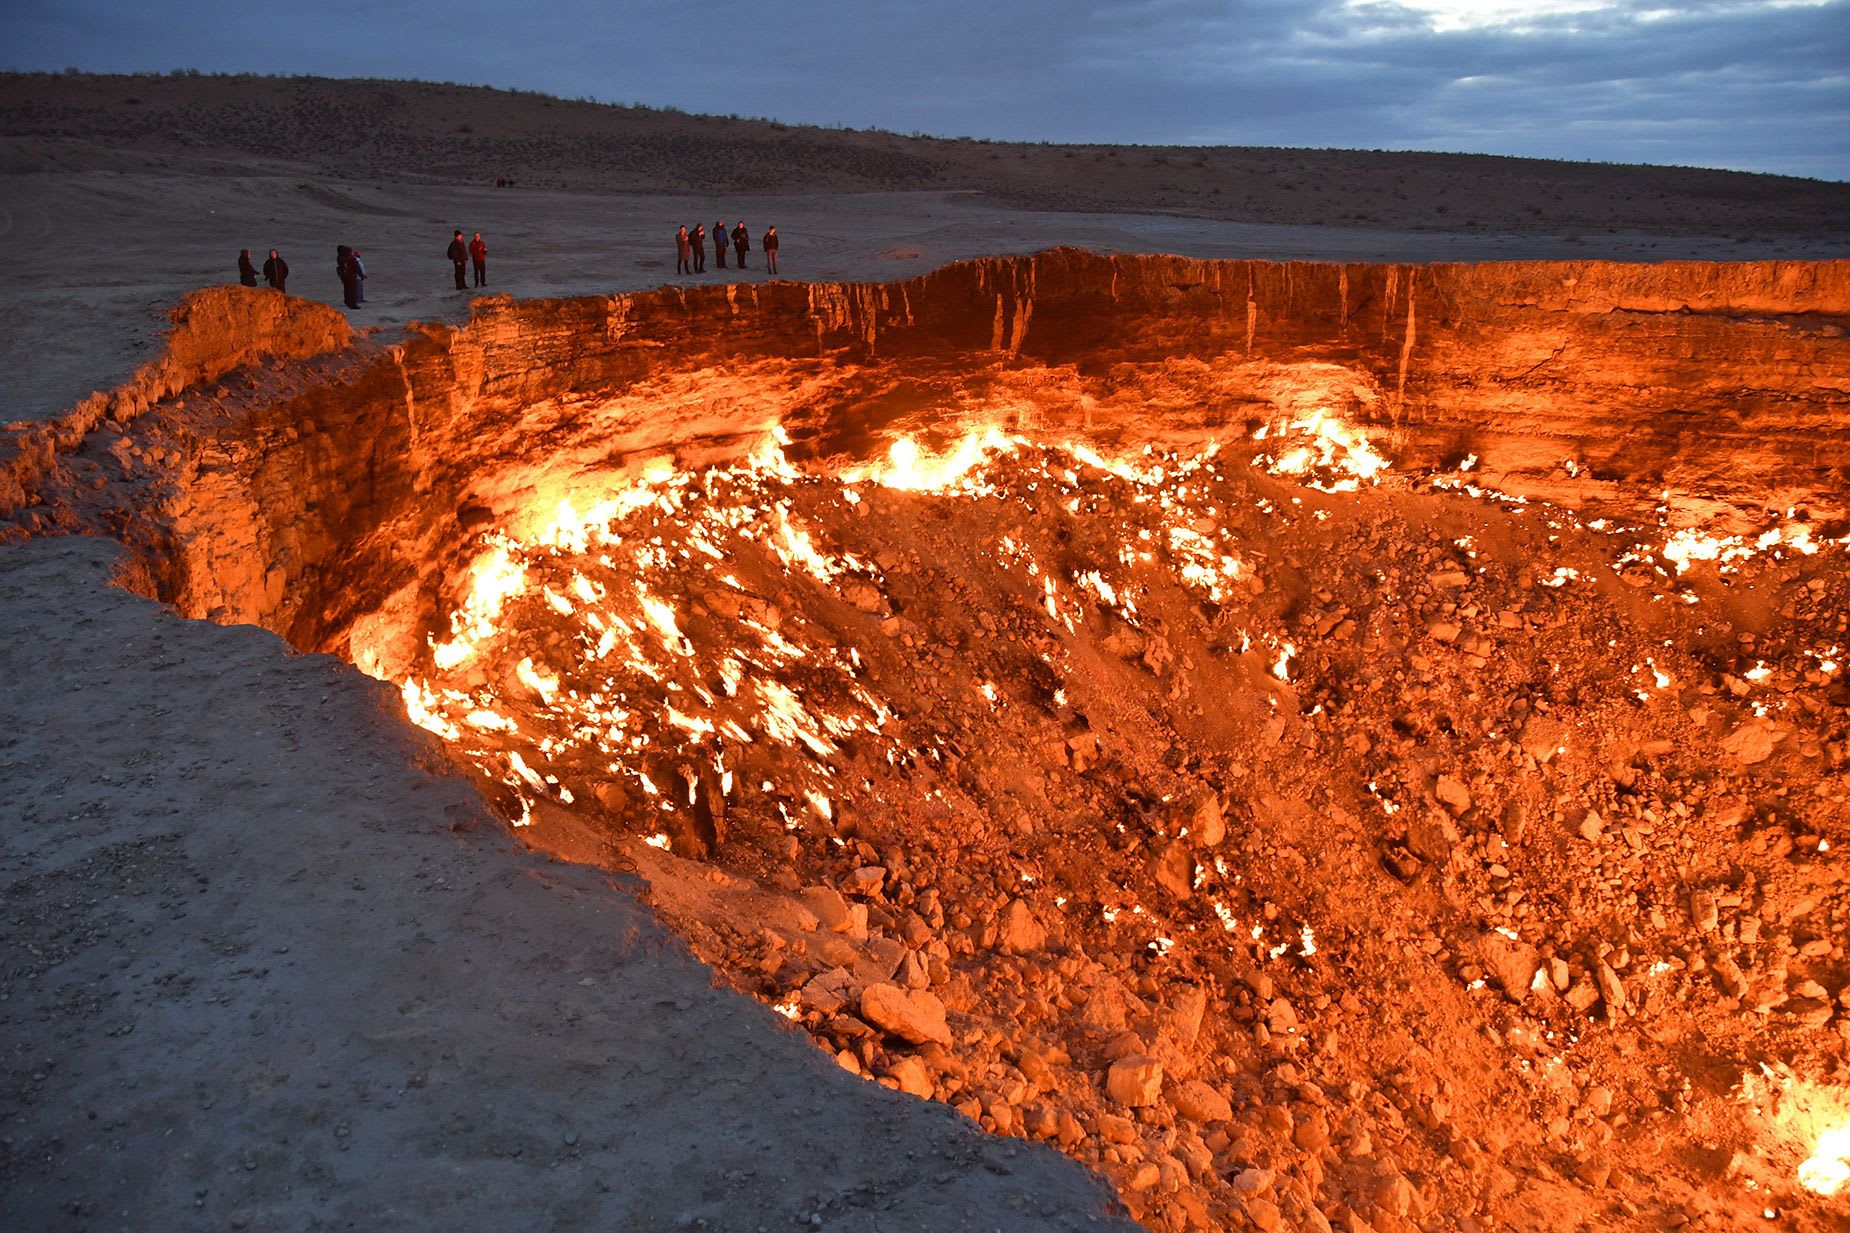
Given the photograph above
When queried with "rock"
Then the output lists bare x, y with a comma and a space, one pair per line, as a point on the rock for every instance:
1113, 1128
1581, 995
1754, 741
1281, 1018
1313, 1132
912, 1075
1207, 824
1511, 962
1728, 977
1702, 912
1394, 1193
828, 991
914, 1015
1542, 737
865, 881
1135, 1080
1591, 826
1610, 989
1174, 870
1020, 933
1248, 1183
1809, 1012
1453, 794
832, 911
863, 595
1262, 1214
1200, 1103
1431, 836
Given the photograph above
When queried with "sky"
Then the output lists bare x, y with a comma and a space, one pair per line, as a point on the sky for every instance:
1751, 85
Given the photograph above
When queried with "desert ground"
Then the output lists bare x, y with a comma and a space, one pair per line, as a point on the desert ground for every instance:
272, 961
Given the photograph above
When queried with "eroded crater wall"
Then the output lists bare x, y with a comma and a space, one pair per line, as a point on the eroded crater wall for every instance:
327, 479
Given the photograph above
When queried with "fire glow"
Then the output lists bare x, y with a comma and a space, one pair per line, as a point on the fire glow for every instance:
646, 643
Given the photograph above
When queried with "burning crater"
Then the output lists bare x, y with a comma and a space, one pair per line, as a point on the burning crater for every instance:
1348, 747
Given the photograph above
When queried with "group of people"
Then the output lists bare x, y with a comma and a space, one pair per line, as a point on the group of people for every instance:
691, 247
347, 264
475, 251
275, 270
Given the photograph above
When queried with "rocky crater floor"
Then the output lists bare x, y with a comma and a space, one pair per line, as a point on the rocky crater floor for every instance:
1349, 747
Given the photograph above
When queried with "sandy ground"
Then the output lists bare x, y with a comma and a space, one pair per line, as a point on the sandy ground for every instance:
267, 964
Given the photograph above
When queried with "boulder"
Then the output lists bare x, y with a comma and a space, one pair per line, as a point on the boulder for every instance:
914, 1015
1200, 1103
1174, 870
1135, 1080
912, 1075
1021, 933
1512, 963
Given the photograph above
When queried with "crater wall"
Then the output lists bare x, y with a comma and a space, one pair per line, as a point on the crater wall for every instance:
282, 470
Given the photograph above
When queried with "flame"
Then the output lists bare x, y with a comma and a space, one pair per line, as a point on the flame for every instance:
911, 470
1333, 448
1827, 1171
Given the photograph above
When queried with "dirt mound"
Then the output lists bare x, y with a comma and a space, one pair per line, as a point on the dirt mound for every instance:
411, 131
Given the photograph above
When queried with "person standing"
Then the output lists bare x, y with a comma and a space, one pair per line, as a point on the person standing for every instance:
700, 249
719, 242
741, 241
478, 253
276, 272
359, 278
459, 257
247, 273
683, 247
349, 281
770, 250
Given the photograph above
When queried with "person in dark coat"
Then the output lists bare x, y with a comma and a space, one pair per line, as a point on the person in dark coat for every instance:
770, 250
459, 257
359, 277
741, 241
699, 241
247, 273
478, 253
276, 272
349, 281
719, 242
683, 249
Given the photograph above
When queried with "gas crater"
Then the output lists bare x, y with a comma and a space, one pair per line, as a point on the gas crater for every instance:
1325, 746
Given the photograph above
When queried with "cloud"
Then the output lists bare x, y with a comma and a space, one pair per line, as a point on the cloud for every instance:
1728, 83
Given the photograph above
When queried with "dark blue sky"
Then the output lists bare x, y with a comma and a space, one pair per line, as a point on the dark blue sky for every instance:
1758, 85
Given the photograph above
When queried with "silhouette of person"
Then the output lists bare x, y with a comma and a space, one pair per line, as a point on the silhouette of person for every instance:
247, 273
770, 250
276, 272
683, 248
359, 277
719, 242
741, 242
349, 280
699, 241
478, 253
459, 257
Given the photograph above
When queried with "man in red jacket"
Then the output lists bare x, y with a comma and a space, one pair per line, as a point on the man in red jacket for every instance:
478, 253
